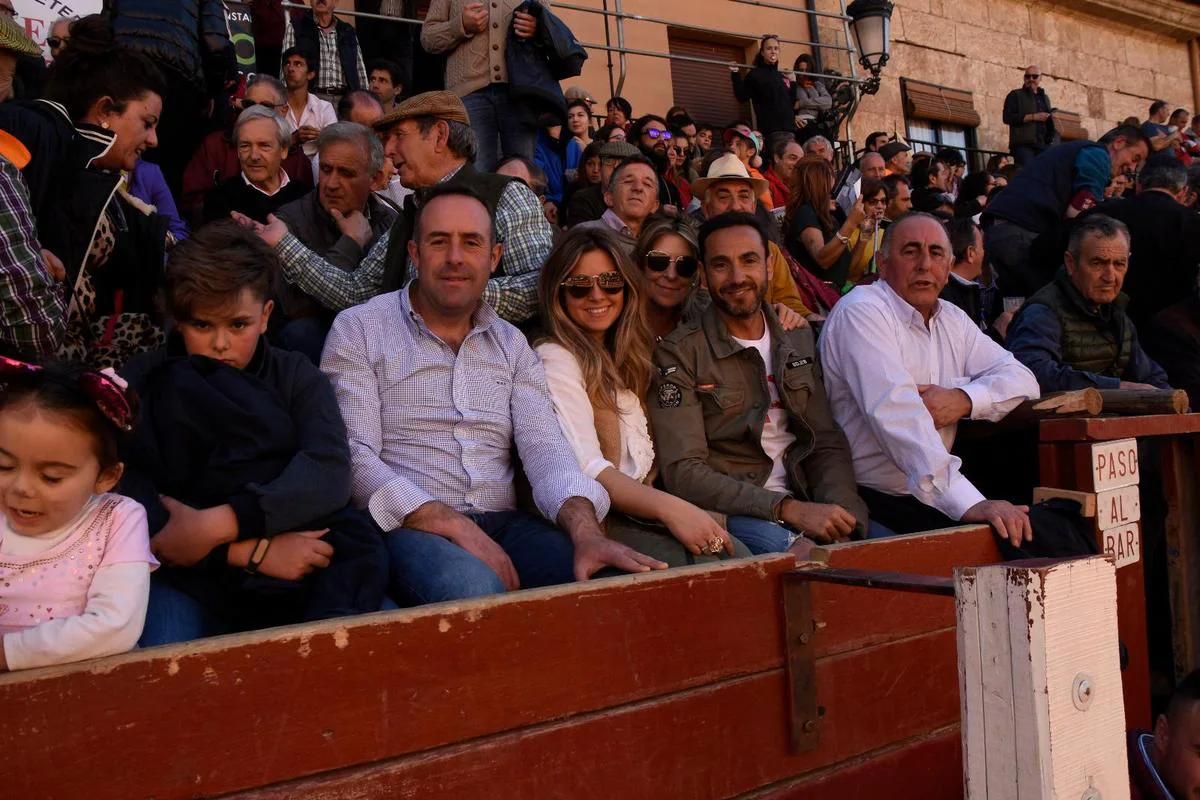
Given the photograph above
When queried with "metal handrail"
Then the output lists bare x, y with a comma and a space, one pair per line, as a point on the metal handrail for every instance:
979, 154
620, 17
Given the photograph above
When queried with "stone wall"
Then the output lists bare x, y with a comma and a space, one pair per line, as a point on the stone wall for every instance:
1103, 69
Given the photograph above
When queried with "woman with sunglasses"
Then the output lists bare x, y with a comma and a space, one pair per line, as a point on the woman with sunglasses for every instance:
597, 358
666, 252
870, 232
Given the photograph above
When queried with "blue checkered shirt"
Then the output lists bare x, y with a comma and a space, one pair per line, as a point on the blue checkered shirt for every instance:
33, 306
521, 227
427, 424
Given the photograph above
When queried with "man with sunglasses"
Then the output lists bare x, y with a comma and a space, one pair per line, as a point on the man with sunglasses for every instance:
59, 35
631, 196
1029, 117
436, 389
652, 137
741, 422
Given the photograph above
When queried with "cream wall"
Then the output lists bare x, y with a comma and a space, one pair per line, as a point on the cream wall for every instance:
1102, 70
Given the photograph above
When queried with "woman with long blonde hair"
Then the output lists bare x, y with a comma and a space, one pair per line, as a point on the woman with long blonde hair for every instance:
597, 357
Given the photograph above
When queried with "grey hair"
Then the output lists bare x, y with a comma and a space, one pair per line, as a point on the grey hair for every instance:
461, 139
814, 140
1098, 225
261, 112
263, 79
353, 133
1164, 173
890, 232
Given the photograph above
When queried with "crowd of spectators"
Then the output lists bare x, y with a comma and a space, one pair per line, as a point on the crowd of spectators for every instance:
291, 348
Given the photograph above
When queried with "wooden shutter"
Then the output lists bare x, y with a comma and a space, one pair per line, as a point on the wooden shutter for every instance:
1069, 126
706, 90
939, 103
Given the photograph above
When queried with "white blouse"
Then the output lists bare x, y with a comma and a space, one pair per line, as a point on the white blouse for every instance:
574, 412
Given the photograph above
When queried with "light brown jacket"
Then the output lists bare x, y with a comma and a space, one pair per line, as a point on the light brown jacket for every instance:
475, 61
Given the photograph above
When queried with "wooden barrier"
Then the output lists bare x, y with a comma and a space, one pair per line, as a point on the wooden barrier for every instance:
1069, 454
654, 686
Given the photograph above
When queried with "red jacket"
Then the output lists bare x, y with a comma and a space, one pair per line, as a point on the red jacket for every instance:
216, 161
780, 192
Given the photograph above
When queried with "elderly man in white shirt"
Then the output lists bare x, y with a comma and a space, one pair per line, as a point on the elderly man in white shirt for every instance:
902, 368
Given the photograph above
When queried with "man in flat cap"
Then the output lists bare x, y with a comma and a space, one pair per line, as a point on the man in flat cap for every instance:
429, 140
897, 158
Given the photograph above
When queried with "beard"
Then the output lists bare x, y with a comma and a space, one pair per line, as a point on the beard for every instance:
659, 159
743, 308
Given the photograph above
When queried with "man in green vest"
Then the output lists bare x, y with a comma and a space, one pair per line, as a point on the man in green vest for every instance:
429, 141
1074, 332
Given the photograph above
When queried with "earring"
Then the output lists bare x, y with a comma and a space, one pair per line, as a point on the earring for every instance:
104, 125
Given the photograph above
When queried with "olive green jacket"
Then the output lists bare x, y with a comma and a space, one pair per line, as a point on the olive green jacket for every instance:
708, 403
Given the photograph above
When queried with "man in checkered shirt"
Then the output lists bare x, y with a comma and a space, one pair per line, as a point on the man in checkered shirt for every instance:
435, 389
430, 142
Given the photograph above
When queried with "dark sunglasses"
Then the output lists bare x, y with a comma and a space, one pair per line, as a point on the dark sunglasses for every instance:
1032, 77
102, 389
655, 133
244, 104
580, 286
685, 266
57, 41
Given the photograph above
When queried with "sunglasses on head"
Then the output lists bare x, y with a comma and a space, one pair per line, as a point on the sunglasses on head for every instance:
658, 261
580, 286
655, 133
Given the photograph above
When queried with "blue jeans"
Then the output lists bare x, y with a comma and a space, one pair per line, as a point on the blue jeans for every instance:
760, 535
175, 616
306, 335
498, 128
427, 568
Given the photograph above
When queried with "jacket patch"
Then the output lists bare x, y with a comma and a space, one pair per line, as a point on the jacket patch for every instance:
799, 362
669, 396
665, 371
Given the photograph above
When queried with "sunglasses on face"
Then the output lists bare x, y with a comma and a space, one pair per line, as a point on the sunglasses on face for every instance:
580, 286
655, 133
56, 42
685, 266
1032, 77
244, 104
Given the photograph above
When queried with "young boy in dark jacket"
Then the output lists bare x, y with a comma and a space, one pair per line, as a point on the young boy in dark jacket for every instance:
241, 460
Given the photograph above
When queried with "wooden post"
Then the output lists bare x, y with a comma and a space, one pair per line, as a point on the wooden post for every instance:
1131, 402
1040, 684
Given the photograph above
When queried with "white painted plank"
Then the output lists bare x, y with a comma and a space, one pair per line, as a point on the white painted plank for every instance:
1000, 734
1114, 464
970, 683
1123, 543
1118, 507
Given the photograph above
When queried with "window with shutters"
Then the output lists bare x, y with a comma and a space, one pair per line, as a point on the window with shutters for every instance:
706, 90
938, 116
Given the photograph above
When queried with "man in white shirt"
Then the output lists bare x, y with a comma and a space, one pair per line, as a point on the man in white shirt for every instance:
902, 368
307, 113
435, 389
741, 422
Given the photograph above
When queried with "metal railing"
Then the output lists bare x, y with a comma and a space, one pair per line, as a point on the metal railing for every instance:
977, 157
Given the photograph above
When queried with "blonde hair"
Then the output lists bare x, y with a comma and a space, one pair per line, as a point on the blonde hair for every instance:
624, 362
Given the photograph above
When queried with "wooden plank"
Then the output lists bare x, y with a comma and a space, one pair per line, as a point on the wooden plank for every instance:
926, 768
712, 742
1086, 500
305, 699
873, 616
1136, 402
1042, 653
1108, 428
1118, 507
1056, 465
1180, 484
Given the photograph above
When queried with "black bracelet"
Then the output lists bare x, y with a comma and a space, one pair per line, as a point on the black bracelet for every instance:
257, 556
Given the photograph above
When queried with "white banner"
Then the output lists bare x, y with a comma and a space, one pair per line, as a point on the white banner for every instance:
36, 16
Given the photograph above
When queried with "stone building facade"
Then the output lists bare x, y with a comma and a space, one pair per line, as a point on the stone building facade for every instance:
1103, 60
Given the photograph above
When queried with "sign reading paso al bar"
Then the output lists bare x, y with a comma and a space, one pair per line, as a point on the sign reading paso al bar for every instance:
1114, 465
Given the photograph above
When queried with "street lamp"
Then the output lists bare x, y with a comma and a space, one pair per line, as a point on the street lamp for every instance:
871, 26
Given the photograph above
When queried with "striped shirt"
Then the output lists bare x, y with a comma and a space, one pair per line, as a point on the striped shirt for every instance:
521, 227
33, 307
426, 423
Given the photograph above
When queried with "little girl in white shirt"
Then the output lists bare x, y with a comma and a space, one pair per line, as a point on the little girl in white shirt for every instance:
75, 560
